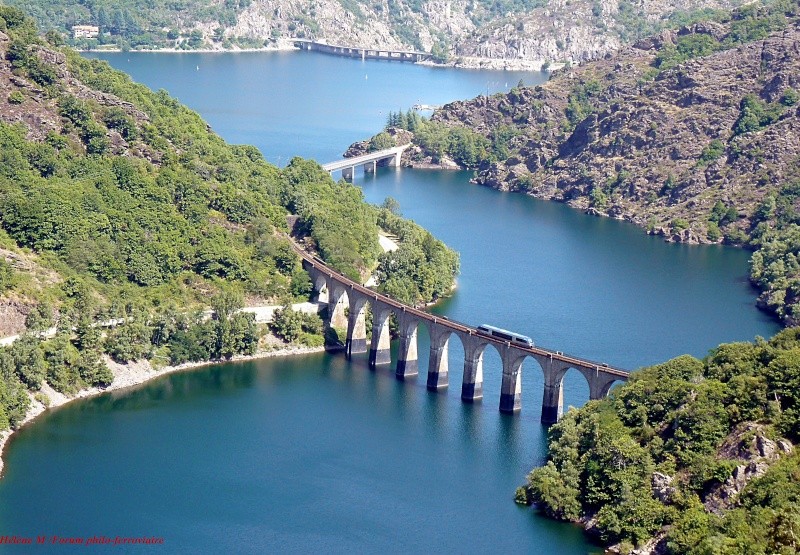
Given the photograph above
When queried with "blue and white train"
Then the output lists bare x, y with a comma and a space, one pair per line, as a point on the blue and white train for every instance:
505, 335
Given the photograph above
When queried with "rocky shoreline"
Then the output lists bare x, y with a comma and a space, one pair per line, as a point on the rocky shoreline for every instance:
129, 375
496, 64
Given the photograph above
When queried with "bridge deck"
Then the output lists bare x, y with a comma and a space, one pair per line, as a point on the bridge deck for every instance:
364, 158
340, 47
452, 324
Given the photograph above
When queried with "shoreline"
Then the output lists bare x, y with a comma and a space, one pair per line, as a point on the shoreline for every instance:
464, 62
193, 51
130, 375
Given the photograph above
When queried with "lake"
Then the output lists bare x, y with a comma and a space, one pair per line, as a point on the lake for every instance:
317, 453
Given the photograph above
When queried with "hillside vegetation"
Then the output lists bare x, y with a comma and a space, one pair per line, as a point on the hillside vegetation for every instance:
528, 30
691, 134
121, 207
688, 457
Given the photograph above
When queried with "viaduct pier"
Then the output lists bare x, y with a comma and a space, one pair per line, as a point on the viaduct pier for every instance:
347, 306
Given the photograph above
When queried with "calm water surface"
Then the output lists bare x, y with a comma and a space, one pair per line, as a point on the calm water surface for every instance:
319, 454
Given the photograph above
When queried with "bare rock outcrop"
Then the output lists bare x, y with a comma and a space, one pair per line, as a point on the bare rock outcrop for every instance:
38, 110
755, 451
662, 486
611, 139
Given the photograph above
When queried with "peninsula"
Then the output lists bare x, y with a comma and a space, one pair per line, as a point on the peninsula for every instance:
134, 233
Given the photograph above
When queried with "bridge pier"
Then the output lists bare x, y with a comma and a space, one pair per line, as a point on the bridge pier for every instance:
511, 387
356, 329
371, 167
599, 384
553, 395
336, 306
552, 403
407, 363
347, 174
437, 360
380, 346
472, 382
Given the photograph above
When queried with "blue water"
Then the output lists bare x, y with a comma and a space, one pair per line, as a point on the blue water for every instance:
317, 453
300, 103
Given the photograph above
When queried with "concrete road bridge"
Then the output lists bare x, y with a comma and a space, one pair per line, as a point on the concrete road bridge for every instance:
370, 161
361, 52
347, 303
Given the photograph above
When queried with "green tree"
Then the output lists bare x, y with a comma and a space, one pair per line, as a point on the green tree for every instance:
287, 324
28, 361
14, 400
40, 317
440, 52
381, 141
129, 341
711, 152
392, 205
93, 370
226, 303
62, 360
6, 275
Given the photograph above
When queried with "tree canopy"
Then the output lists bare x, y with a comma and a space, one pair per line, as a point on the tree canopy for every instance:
656, 452
131, 210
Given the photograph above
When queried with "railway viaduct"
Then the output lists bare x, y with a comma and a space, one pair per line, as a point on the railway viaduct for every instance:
347, 305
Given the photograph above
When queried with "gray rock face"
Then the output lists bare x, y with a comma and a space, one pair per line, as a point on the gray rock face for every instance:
557, 30
662, 489
755, 451
645, 142
725, 495
785, 446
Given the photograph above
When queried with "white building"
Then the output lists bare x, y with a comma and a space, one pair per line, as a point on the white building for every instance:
85, 31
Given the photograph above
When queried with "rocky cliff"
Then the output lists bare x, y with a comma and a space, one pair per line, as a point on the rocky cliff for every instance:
565, 30
659, 148
464, 32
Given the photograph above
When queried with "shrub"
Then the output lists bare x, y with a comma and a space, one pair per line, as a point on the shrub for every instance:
711, 152
679, 224
381, 141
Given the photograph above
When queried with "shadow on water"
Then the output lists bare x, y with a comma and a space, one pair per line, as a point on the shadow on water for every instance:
214, 381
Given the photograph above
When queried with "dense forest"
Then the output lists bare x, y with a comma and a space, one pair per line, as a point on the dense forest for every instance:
137, 23
124, 217
696, 453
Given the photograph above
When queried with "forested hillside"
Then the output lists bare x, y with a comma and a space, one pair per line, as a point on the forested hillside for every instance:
533, 31
691, 134
688, 457
119, 205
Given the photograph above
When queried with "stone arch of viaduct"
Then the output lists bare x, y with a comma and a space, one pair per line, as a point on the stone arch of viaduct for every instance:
347, 308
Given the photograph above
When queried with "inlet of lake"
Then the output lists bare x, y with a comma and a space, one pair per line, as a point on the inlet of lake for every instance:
320, 454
